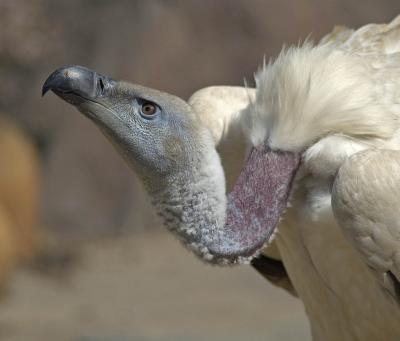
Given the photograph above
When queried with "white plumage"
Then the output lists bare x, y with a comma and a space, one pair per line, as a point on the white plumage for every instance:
338, 103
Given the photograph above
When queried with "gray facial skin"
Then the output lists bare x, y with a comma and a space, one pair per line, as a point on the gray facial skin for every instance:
166, 145
154, 144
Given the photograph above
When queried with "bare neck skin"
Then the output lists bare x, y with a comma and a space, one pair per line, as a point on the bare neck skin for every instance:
228, 230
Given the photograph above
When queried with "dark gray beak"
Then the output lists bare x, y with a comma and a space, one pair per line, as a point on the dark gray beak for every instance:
76, 84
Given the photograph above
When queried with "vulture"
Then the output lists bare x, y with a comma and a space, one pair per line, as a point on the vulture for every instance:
312, 171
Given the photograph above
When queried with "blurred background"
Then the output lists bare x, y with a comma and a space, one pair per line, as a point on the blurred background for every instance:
82, 256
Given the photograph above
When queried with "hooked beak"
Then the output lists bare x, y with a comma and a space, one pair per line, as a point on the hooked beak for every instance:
76, 84
87, 90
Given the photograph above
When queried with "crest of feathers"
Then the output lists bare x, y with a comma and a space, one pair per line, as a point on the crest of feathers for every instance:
348, 84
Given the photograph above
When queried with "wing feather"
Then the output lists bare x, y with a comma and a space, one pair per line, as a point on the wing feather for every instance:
366, 204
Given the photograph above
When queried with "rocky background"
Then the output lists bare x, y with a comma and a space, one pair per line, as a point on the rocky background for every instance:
87, 192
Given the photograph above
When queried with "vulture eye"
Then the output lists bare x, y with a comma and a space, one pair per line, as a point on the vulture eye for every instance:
148, 109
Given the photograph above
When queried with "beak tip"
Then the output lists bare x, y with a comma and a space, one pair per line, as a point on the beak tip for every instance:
51, 81
45, 89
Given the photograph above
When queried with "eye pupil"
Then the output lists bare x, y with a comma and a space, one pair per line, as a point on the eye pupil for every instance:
148, 109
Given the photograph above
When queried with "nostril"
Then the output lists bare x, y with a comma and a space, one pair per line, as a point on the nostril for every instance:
101, 84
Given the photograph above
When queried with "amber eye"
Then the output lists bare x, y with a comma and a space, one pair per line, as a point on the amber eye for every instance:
148, 109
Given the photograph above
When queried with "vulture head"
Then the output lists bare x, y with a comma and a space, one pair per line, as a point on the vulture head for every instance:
174, 154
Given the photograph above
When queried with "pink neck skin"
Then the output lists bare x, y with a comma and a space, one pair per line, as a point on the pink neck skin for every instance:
255, 205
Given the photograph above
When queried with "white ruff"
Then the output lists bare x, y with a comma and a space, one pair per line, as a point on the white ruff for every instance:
312, 91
